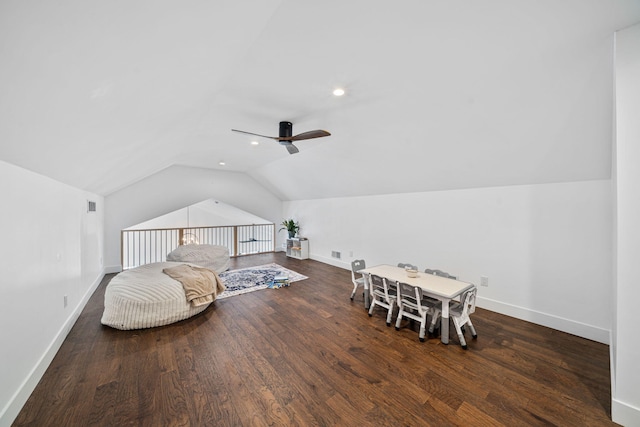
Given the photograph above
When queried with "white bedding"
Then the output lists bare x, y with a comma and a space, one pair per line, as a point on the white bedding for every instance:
145, 297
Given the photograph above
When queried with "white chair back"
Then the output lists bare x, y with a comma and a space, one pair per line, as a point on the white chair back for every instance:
356, 266
412, 294
380, 287
407, 265
440, 273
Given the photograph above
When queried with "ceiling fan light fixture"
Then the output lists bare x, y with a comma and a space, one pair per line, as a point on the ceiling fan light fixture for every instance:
338, 91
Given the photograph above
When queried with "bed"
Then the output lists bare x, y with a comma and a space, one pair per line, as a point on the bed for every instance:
146, 297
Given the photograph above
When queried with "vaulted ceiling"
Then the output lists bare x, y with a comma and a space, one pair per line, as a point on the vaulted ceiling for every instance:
439, 94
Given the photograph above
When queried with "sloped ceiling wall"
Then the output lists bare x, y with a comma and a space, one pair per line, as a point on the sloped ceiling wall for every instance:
439, 95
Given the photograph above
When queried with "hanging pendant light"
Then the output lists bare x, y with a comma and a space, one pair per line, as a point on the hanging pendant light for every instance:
189, 238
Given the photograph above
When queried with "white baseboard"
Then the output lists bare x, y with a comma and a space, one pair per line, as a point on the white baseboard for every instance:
555, 322
331, 261
112, 269
624, 414
20, 397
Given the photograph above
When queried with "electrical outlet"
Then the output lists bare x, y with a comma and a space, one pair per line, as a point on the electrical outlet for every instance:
484, 281
65, 301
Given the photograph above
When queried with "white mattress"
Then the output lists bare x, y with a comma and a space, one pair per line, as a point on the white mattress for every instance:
144, 297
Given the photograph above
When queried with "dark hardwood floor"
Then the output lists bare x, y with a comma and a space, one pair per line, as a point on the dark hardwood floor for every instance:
307, 355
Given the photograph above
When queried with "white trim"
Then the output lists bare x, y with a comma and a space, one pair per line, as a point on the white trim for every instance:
331, 261
555, 322
112, 269
20, 397
624, 414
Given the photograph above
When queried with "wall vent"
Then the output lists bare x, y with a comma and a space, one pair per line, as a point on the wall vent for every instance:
91, 206
335, 254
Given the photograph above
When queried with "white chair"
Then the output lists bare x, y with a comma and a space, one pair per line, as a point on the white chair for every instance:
459, 313
383, 295
356, 266
414, 306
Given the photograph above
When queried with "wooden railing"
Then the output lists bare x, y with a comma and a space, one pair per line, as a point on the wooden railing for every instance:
138, 247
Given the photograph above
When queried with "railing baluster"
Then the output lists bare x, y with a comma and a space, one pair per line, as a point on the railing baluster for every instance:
152, 245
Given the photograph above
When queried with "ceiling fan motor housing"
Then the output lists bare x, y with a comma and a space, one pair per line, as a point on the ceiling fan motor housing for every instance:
286, 130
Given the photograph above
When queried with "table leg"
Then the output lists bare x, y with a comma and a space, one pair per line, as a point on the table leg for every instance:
444, 322
367, 294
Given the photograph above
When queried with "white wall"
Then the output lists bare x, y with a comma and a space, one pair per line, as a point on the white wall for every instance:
175, 188
625, 346
546, 249
203, 214
51, 248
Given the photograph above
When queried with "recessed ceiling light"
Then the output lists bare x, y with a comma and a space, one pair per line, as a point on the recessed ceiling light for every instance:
221, 163
255, 143
338, 92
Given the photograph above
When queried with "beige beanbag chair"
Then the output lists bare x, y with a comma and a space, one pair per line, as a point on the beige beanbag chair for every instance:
145, 297
213, 257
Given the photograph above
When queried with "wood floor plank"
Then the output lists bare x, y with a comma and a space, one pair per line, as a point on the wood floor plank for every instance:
308, 355
210, 366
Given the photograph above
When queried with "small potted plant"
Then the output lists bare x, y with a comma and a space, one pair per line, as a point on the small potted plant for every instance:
291, 226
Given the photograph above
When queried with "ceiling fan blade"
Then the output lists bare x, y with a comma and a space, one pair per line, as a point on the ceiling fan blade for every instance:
256, 134
292, 149
307, 135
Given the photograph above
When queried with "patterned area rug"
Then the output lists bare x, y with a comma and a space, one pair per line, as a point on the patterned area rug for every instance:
254, 278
